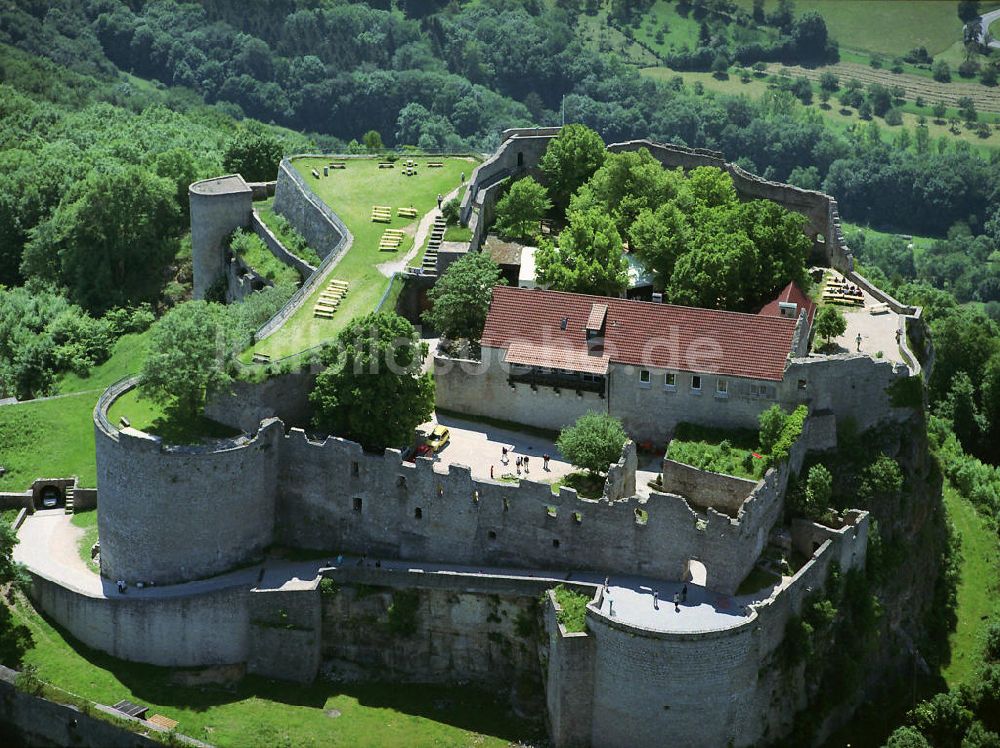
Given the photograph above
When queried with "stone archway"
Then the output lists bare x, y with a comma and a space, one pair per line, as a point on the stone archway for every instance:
696, 573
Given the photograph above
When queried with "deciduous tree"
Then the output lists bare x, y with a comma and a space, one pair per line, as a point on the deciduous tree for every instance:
520, 211
461, 297
570, 159
373, 389
589, 257
593, 443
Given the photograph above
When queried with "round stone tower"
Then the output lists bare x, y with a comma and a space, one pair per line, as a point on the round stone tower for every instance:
218, 206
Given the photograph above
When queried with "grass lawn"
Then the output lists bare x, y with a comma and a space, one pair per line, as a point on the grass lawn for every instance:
351, 193
126, 359
978, 593
259, 712
148, 416
49, 438
88, 521
252, 250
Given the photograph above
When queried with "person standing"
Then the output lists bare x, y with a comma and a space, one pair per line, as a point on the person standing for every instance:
545, 462
440, 200
491, 472
525, 463
677, 607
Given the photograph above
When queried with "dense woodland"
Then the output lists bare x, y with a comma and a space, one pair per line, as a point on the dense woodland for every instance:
109, 108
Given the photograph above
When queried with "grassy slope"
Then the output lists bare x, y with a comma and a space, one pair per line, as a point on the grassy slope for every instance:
56, 437
267, 713
351, 193
978, 597
87, 520
891, 27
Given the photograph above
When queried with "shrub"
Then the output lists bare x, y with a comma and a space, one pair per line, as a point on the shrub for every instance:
772, 422
573, 609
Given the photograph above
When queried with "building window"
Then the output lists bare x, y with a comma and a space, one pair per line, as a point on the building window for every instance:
400, 481
357, 504
721, 388
670, 380
696, 383
491, 535
355, 470
802, 384
555, 543
644, 377
418, 513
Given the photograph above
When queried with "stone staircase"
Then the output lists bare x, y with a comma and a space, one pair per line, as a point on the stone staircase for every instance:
433, 245
68, 506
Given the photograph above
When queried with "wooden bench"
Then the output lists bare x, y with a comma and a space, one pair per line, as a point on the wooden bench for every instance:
435, 164
315, 173
406, 212
387, 165
336, 282
261, 358
338, 164
165, 722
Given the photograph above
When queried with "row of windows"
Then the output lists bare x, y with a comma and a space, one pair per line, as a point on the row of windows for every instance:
721, 384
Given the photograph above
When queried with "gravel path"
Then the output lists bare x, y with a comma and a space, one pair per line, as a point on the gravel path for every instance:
389, 269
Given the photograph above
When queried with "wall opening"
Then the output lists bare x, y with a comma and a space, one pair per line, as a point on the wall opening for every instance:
400, 481
696, 573
555, 542
355, 470
520, 159
357, 504
491, 535
418, 513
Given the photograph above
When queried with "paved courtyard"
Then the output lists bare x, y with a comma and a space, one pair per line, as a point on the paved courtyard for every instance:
878, 331
480, 447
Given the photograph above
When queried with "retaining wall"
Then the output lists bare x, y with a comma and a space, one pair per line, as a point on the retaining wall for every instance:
704, 488
277, 248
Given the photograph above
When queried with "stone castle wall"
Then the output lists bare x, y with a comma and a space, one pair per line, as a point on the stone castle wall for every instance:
172, 514
704, 488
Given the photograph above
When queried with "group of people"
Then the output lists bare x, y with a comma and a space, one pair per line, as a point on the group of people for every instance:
520, 462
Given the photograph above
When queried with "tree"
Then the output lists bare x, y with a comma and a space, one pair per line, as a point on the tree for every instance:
819, 490
941, 71
570, 159
990, 394
829, 323
520, 211
907, 737
589, 258
772, 423
189, 351
960, 408
939, 110
593, 443
943, 719
829, 82
373, 141
809, 35
461, 297
110, 239
373, 389
253, 152
968, 10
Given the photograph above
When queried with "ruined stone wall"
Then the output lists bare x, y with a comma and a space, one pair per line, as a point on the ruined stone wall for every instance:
568, 663
704, 488
332, 496
845, 385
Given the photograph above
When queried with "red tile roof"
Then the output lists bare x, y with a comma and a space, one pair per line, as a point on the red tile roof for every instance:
794, 295
639, 333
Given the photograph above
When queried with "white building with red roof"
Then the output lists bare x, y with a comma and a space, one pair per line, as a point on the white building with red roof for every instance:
548, 357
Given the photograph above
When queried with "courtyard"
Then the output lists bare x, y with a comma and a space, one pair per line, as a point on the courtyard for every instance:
877, 326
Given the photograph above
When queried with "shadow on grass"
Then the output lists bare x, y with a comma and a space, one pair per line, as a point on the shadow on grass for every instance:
176, 427
467, 708
588, 486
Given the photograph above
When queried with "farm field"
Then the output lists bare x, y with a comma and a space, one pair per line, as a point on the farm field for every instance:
757, 87
351, 193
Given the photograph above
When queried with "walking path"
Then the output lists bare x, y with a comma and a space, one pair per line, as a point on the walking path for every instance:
15, 401
48, 547
389, 269
984, 26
